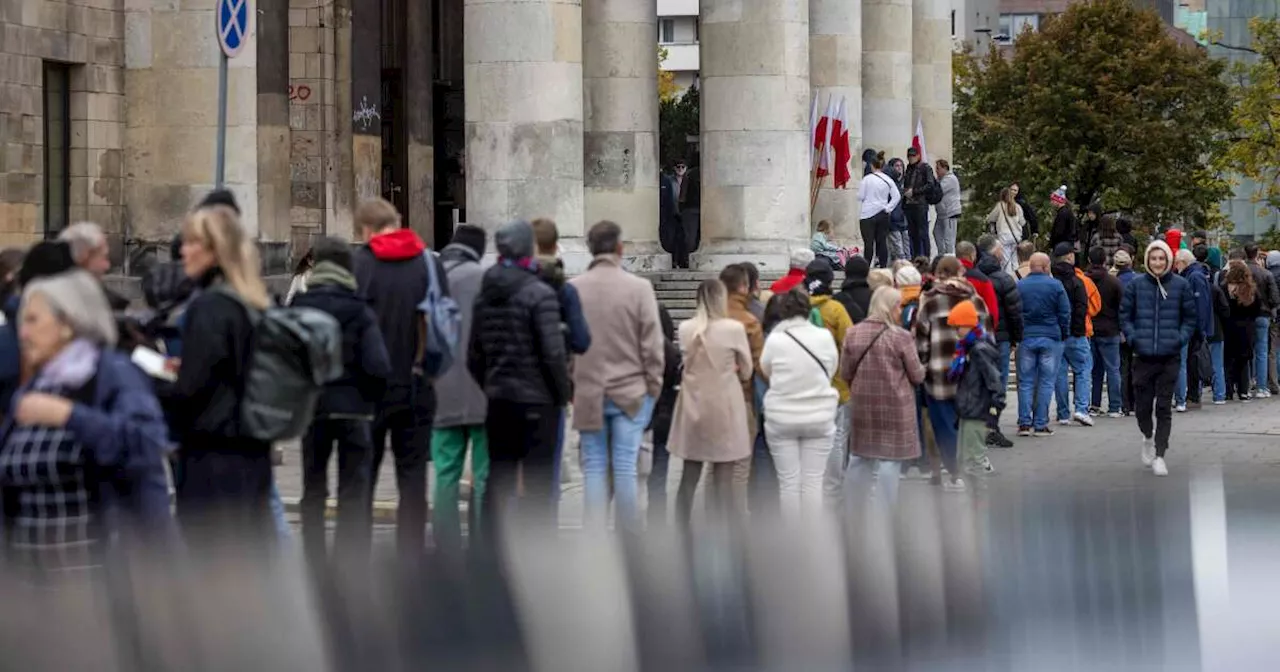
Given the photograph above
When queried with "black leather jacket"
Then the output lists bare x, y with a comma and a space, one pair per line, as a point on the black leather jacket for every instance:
517, 351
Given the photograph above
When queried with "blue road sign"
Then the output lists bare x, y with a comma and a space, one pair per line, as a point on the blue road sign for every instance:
233, 25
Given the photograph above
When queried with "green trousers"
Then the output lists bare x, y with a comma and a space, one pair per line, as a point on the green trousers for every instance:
449, 452
973, 446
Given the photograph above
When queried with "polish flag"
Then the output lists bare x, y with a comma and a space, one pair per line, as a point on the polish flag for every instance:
918, 140
822, 134
840, 145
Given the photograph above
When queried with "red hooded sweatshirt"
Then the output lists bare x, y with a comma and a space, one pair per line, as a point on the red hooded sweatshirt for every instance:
985, 289
397, 245
788, 282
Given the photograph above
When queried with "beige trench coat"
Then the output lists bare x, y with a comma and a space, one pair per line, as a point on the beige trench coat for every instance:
710, 421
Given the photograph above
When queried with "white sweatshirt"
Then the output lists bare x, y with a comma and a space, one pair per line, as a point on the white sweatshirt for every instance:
800, 390
878, 194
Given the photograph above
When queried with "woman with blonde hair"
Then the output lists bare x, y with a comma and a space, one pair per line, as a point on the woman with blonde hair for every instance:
709, 425
1006, 222
1238, 333
224, 479
880, 363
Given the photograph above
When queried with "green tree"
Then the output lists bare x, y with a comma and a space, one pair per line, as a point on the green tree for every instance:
667, 88
1103, 100
678, 118
1254, 150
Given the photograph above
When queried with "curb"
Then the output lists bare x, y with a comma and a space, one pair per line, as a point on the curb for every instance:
384, 512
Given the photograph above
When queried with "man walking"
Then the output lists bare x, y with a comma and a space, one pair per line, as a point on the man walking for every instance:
619, 378
1046, 315
918, 181
1076, 354
462, 407
391, 273
1158, 316
1009, 330
517, 354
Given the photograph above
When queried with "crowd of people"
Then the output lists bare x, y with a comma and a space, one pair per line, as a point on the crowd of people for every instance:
791, 399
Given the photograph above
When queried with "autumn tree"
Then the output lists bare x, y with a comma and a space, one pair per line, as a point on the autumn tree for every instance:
1103, 100
667, 89
1254, 150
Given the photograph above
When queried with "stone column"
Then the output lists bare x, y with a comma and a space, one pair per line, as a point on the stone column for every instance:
886, 76
931, 74
835, 69
366, 100
620, 117
523, 82
419, 108
755, 131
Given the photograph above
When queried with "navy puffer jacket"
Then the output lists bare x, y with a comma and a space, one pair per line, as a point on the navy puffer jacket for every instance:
1158, 317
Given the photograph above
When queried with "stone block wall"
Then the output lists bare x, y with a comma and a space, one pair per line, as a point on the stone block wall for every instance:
87, 36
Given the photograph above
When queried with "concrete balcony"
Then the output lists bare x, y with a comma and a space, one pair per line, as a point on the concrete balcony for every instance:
681, 57
677, 7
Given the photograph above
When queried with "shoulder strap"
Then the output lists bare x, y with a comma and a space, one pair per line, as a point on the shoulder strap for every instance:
858, 362
254, 314
806, 349
433, 286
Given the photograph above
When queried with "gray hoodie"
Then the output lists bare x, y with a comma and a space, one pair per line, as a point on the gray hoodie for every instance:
949, 206
460, 400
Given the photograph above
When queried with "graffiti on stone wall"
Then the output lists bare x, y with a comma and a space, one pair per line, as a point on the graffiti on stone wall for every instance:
365, 114
300, 92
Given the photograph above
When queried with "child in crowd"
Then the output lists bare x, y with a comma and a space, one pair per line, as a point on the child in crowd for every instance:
823, 247
980, 393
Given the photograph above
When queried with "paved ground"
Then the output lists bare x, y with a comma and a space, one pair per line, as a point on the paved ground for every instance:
1243, 440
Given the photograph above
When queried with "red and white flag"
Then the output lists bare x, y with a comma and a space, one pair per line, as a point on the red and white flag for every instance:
840, 146
822, 134
918, 140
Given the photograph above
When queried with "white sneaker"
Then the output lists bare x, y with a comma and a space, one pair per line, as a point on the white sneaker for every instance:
1158, 467
1219, 402
1117, 414
1064, 422
953, 486
1084, 419
1148, 451
1181, 408
1262, 394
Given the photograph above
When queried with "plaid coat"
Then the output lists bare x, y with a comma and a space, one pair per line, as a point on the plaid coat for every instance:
935, 340
882, 392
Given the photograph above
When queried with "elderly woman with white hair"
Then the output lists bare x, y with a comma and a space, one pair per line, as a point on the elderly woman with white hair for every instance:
82, 449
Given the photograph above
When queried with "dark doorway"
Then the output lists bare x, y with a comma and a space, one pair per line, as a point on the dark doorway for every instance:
395, 161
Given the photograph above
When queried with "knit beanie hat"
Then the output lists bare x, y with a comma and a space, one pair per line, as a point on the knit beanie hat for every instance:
907, 276
515, 240
818, 277
964, 314
1122, 258
1059, 197
801, 257
45, 258
220, 197
470, 236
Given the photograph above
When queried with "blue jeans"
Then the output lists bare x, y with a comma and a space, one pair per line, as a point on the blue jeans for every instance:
1180, 387
277, 514
1106, 362
946, 428
1261, 351
618, 442
1076, 356
1219, 371
1037, 374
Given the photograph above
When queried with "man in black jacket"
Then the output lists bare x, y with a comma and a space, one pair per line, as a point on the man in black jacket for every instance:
1064, 222
517, 354
855, 293
391, 272
917, 182
345, 412
1076, 355
1009, 328
1032, 228
1106, 336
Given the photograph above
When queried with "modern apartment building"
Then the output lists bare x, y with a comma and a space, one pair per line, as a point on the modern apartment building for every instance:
678, 34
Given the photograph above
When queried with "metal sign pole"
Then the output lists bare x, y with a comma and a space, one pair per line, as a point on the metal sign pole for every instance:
220, 169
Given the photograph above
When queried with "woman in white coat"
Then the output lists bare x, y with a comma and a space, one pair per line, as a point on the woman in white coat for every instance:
799, 360
1006, 221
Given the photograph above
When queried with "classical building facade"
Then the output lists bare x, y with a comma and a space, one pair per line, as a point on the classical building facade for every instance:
457, 110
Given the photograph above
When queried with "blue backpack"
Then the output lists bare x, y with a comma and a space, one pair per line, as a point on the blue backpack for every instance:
444, 324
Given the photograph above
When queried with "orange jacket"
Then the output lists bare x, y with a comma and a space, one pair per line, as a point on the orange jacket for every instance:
1095, 301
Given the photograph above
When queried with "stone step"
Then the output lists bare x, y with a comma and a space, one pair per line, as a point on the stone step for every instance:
665, 295
674, 304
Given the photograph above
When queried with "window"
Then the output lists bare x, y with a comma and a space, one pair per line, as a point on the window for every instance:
666, 31
57, 148
697, 30
953, 23
1011, 25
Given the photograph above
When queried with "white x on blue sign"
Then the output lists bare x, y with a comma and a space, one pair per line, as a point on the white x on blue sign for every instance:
233, 25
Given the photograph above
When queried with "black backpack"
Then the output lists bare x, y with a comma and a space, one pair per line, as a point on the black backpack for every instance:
933, 193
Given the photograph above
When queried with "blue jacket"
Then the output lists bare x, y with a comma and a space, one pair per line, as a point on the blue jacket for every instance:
1198, 275
124, 432
1155, 323
1125, 277
1046, 310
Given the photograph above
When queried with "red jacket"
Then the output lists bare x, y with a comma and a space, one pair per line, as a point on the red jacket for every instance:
788, 282
985, 289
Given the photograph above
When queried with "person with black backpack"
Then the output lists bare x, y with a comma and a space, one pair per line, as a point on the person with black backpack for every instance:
224, 479
344, 414
392, 273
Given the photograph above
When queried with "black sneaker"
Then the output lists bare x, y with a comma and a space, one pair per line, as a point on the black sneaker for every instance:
998, 440
1043, 432
1024, 431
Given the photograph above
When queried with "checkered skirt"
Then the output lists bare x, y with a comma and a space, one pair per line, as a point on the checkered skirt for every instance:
50, 522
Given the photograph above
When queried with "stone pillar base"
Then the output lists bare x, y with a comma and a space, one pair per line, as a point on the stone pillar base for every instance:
638, 257
769, 256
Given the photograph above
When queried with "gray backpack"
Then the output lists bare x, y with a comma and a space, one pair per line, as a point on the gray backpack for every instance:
293, 353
